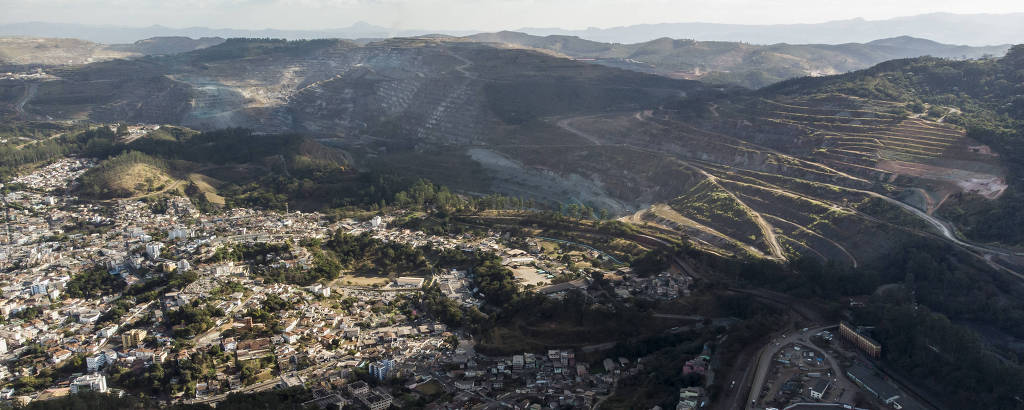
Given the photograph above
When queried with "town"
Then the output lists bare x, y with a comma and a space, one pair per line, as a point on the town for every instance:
107, 297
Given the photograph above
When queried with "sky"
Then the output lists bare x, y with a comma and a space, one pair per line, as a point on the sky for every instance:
483, 15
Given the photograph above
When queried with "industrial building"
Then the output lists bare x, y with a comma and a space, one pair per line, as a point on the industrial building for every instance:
859, 339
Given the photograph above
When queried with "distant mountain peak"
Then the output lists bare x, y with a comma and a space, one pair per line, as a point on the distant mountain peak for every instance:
362, 25
904, 41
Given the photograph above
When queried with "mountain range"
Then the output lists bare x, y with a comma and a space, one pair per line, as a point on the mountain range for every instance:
970, 29
108, 34
753, 66
896, 182
716, 62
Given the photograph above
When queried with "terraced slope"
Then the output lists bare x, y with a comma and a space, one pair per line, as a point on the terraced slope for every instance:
816, 177
895, 148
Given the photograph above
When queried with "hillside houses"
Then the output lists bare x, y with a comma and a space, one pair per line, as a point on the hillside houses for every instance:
164, 298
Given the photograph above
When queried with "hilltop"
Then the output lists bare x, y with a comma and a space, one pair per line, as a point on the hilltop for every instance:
746, 64
217, 168
26, 51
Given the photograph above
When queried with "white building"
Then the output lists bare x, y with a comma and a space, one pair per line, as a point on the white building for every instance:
178, 233
819, 388
381, 370
40, 287
153, 249
95, 362
320, 290
89, 316
107, 332
135, 232
90, 382
407, 282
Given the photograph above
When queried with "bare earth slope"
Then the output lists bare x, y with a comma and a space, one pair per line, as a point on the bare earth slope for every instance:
25, 51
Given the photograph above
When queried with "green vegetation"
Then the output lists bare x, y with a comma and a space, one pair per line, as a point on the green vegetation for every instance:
258, 252
192, 319
652, 262
128, 174
15, 130
237, 48
451, 312
151, 289
97, 142
665, 353
285, 399
29, 313
928, 347
94, 283
89, 401
708, 203
267, 171
228, 288
936, 281
362, 254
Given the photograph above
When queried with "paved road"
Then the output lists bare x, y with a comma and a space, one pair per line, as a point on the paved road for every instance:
736, 386
944, 229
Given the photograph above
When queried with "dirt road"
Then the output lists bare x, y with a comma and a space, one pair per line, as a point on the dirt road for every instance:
564, 124
30, 92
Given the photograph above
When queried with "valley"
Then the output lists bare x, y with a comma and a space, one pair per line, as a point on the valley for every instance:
778, 175
433, 211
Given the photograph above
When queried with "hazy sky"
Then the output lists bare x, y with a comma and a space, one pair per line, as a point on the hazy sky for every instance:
485, 15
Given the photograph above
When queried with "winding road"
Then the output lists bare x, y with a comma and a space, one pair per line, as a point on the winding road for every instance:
943, 228
767, 230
